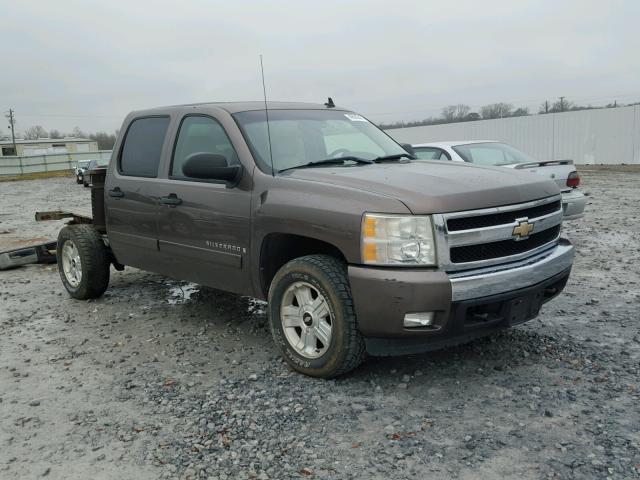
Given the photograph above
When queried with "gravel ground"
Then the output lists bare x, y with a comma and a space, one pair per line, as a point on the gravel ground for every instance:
162, 379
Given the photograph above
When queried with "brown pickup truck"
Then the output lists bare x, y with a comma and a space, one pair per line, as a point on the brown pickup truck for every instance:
357, 247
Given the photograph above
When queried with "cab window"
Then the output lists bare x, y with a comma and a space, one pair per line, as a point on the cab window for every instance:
430, 153
142, 148
199, 134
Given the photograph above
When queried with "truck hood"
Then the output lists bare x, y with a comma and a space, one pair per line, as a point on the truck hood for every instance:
436, 187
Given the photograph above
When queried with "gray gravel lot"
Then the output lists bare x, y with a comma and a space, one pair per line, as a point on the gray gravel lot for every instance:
162, 379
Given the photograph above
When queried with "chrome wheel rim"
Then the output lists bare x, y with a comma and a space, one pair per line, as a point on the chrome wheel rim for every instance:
71, 265
306, 320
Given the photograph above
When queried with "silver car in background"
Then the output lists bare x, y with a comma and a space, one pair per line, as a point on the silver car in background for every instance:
492, 153
79, 170
86, 181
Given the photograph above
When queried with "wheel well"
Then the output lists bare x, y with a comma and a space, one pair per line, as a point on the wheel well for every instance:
279, 248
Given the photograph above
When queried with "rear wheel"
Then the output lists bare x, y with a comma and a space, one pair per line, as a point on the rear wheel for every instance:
83, 261
312, 317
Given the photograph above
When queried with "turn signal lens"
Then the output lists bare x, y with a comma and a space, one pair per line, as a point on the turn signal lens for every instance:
369, 252
397, 240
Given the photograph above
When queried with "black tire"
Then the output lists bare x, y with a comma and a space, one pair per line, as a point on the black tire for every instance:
94, 261
328, 276
85, 183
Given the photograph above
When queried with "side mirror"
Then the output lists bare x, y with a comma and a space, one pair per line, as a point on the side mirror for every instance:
211, 166
408, 148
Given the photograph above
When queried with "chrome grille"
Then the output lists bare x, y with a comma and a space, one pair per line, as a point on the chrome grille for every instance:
467, 223
484, 237
502, 248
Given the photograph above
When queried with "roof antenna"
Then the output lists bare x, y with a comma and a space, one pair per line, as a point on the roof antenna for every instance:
329, 103
266, 112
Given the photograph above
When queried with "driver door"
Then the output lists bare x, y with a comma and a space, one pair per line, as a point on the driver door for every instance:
203, 226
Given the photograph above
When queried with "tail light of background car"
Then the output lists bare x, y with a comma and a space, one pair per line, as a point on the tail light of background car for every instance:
573, 180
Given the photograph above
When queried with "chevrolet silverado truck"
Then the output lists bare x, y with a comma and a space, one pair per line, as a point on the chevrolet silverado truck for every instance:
357, 246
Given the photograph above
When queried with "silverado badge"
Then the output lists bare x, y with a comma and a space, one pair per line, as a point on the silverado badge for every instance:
523, 229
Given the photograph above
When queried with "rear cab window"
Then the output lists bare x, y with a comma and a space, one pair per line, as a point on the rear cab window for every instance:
430, 153
142, 147
492, 154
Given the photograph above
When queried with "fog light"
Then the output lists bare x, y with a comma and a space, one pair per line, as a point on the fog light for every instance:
419, 319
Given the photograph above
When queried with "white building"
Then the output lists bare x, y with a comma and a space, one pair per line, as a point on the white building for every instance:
45, 146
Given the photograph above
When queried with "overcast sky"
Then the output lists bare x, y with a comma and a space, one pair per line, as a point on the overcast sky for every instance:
87, 63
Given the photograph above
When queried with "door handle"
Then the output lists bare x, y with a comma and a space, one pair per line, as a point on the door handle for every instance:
172, 200
116, 192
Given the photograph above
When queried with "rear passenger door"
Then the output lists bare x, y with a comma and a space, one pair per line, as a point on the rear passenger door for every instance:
130, 193
204, 227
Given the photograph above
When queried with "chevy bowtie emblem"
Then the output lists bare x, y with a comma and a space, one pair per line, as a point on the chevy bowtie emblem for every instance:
523, 229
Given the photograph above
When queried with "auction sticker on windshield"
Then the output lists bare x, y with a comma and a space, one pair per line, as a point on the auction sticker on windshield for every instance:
355, 117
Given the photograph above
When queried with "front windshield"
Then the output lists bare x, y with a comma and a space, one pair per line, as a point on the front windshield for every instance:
492, 153
299, 137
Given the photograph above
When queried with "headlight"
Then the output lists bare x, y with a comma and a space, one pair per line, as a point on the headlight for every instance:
397, 240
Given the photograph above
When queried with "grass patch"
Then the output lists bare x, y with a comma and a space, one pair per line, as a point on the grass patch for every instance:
37, 175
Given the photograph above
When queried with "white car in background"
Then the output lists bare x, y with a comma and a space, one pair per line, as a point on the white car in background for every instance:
492, 153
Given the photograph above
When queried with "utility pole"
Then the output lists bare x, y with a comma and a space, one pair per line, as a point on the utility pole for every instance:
561, 103
13, 135
546, 106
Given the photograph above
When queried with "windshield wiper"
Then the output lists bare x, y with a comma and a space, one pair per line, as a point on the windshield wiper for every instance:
396, 156
329, 161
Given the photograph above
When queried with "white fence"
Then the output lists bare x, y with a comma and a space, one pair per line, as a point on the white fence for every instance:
603, 136
48, 163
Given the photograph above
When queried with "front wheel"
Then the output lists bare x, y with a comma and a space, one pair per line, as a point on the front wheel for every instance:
312, 317
83, 261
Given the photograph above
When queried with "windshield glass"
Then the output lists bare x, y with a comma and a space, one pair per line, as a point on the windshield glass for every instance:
299, 137
492, 153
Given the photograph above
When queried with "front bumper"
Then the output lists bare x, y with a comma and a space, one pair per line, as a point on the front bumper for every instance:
502, 295
573, 203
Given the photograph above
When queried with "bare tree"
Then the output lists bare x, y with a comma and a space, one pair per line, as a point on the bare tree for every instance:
496, 110
35, 132
562, 105
520, 112
448, 113
454, 113
77, 133
104, 140
55, 134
